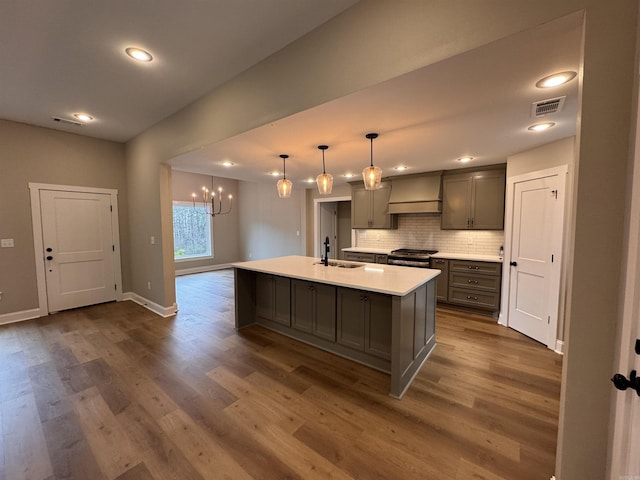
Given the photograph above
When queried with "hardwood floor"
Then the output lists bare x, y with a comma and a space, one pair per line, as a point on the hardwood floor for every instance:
113, 391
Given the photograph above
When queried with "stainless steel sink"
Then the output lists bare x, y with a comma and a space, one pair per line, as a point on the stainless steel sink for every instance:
333, 263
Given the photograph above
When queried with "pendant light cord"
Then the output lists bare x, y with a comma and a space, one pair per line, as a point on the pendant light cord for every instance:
372, 151
323, 169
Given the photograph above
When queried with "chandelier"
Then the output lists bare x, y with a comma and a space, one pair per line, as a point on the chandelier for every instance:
211, 206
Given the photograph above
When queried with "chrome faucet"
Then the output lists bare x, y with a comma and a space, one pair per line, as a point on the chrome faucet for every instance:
325, 259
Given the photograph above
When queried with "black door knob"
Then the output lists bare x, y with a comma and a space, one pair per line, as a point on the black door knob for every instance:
49, 257
622, 383
514, 264
49, 249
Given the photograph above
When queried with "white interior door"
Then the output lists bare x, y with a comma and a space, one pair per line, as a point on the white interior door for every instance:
329, 228
78, 248
536, 244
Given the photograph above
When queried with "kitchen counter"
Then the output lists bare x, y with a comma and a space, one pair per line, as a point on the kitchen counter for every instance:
382, 316
378, 251
468, 256
372, 277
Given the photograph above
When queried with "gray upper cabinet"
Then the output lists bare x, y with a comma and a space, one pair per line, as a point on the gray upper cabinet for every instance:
370, 208
474, 200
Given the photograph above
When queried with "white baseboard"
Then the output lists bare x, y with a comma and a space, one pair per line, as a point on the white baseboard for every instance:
208, 268
148, 304
21, 316
559, 347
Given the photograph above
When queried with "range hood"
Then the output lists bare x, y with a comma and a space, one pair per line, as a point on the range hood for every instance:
419, 193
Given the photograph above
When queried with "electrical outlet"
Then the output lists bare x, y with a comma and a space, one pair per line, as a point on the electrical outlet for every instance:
0, 296
153, 240
470, 240
148, 285
6, 242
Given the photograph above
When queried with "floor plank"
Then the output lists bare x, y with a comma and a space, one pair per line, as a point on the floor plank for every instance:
114, 392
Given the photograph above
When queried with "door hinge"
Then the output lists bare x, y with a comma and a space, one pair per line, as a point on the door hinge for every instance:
548, 319
115, 286
555, 194
111, 208
552, 258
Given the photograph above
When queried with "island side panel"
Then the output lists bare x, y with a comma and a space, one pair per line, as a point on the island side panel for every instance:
413, 335
245, 297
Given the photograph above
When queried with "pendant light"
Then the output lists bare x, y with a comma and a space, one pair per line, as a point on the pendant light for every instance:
324, 180
372, 175
284, 185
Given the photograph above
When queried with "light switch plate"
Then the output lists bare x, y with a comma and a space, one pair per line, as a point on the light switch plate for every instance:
6, 242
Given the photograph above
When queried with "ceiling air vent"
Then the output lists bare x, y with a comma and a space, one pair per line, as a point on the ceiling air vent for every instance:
545, 107
67, 121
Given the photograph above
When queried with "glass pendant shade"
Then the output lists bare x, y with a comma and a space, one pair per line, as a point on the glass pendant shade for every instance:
372, 175
324, 180
284, 186
325, 183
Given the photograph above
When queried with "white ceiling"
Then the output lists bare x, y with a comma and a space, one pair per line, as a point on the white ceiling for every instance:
67, 56
60, 57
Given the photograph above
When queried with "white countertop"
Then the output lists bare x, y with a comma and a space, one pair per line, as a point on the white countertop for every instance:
373, 277
451, 256
379, 251
468, 256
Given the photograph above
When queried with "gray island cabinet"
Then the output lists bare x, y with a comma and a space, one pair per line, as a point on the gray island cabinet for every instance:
382, 316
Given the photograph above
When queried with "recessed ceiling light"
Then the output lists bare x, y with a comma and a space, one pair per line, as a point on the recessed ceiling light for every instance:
349, 175
465, 159
274, 174
400, 168
139, 54
539, 127
556, 79
309, 180
228, 164
83, 117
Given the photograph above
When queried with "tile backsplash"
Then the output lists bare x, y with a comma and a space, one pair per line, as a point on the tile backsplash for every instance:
423, 231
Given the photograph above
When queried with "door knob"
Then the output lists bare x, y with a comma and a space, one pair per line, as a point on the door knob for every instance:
514, 264
49, 249
622, 383
49, 257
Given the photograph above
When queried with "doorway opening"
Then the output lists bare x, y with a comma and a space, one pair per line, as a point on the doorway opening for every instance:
332, 219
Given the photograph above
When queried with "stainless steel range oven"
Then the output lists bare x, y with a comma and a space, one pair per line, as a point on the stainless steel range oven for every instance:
411, 258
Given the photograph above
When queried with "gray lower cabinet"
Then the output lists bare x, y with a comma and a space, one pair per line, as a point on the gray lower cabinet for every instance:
364, 321
273, 298
313, 308
475, 284
442, 280
366, 257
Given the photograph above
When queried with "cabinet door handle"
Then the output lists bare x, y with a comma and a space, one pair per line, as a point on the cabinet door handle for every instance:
470, 297
471, 267
475, 282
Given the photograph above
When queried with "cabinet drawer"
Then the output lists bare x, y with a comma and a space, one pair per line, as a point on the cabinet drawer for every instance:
474, 281
360, 257
487, 268
474, 298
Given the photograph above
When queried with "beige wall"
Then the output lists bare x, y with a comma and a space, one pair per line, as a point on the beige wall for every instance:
547, 156
40, 155
226, 241
270, 226
379, 39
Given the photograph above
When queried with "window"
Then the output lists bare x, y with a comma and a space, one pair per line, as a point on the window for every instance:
192, 234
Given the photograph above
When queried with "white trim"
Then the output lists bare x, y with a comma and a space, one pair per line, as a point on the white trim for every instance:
559, 347
561, 173
316, 221
149, 305
206, 268
21, 316
36, 219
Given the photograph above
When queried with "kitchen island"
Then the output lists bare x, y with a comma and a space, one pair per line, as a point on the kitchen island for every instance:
382, 316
